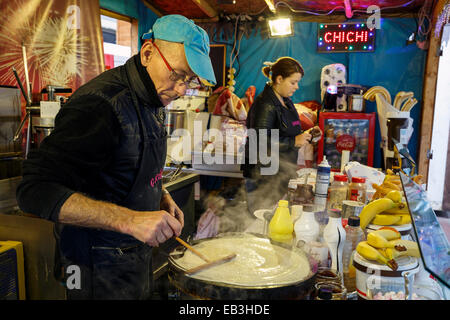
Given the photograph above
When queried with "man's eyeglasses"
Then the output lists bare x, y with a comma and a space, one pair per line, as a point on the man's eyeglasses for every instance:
191, 83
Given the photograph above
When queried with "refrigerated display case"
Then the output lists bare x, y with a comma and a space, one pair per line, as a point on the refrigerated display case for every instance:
433, 243
346, 131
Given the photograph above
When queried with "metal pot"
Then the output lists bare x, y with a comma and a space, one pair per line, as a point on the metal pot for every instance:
174, 120
203, 289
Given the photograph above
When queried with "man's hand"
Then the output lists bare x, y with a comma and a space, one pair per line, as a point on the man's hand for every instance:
169, 205
153, 227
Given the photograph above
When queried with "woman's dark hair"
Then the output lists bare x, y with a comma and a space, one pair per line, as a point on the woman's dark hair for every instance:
284, 66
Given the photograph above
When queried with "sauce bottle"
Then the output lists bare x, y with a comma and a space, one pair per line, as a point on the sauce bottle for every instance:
334, 236
322, 183
354, 235
281, 227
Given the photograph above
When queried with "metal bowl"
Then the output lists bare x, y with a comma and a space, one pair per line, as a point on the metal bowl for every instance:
217, 290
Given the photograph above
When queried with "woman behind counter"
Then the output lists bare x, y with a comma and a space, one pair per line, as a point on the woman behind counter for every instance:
273, 109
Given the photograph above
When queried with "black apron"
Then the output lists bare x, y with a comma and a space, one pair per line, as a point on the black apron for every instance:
121, 266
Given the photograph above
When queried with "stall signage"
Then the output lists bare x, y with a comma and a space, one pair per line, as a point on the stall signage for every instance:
345, 37
345, 142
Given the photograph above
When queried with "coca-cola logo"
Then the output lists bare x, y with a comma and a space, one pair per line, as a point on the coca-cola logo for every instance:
345, 142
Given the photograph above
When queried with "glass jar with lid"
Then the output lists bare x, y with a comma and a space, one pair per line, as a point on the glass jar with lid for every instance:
357, 190
337, 192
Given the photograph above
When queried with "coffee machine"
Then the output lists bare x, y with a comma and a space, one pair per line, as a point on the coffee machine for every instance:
344, 98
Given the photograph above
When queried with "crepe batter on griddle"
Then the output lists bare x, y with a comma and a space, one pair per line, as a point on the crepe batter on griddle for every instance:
258, 262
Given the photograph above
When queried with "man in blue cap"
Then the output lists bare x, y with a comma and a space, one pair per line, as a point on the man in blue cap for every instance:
98, 174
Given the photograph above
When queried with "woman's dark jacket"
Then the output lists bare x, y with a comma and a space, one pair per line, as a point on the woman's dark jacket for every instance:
267, 112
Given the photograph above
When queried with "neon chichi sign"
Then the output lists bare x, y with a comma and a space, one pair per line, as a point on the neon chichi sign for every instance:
345, 37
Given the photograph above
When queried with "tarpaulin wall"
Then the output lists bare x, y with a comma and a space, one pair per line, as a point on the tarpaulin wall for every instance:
394, 65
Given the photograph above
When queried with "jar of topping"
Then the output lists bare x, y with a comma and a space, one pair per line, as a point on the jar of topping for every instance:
337, 192
357, 190
328, 275
338, 291
292, 189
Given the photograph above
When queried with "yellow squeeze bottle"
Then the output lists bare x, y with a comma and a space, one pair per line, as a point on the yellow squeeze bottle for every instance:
281, 227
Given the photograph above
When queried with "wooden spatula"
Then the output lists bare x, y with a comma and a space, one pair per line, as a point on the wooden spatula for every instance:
208, 263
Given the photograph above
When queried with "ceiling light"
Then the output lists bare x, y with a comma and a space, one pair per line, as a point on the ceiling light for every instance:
280, 27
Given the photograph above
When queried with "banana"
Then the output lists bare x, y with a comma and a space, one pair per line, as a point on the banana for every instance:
370, 253
406, 247
388, 233
384, 252
383, 189
400, 208
390, 172
372, 209
376, 195
386, 219
392, 253
391, 186
395, 196
378, 241
404, 219
373, 91
395, 181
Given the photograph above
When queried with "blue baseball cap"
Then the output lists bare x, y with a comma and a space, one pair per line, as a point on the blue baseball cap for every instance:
176, 28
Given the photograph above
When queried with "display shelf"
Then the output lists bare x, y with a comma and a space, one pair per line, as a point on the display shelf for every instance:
433, 243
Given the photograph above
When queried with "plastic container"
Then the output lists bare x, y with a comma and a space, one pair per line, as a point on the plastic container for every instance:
322, 183
354, 235
337, 193
281, 228
395, 290
334, 236
357, 190
370, 274
307, 228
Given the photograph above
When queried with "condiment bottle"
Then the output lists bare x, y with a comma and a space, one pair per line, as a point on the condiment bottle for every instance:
337, 192
281, 227
357, 190
307, 228
334, 236
322, 183
354, 235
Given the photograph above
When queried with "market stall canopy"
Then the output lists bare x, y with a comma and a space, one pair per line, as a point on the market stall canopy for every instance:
211, 9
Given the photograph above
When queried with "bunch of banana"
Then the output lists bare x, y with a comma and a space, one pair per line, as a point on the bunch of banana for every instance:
373, 208
370, 94
370, 253
401, 97
391, 176
397, 215
385, 245
386, 187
